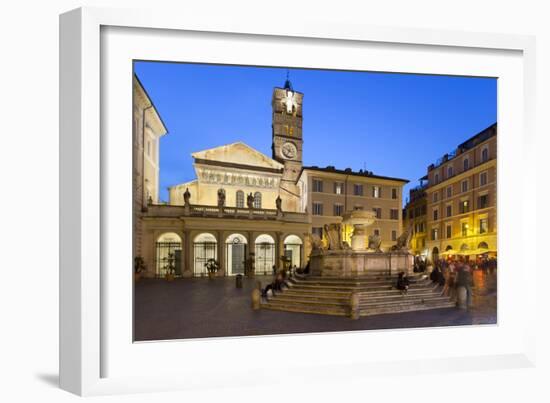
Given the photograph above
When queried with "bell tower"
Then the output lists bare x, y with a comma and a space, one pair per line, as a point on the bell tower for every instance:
287, 134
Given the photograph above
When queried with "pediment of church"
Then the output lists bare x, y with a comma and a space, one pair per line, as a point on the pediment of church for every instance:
238, 154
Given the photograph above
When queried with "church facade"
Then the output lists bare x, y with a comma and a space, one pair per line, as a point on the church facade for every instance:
243, 206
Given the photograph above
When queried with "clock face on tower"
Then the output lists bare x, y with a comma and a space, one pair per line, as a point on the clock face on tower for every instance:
288, 150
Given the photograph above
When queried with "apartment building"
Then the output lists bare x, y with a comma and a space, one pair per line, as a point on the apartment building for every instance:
461, 197
329, 193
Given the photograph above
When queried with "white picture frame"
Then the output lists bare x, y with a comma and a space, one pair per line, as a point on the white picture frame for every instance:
94, 340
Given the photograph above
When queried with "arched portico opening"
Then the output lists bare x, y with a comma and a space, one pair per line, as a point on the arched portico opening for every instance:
265, 254
483, 245
205, 246
168, 254
293, 250
235, 254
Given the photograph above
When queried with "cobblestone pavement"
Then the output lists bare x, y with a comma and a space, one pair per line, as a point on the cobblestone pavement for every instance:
196, 308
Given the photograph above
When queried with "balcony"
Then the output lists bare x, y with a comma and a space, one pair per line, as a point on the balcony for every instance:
195, 210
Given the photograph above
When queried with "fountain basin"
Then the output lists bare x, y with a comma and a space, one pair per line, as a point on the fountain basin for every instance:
356, 263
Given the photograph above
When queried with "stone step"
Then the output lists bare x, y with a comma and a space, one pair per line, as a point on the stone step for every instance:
402, 301
354, 282
371, 288
404, 308
308, 301
320, 310
312, 296
383, 275
363, 295
344, 311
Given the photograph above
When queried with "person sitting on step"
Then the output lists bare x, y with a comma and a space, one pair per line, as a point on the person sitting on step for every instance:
402, 283
275, 285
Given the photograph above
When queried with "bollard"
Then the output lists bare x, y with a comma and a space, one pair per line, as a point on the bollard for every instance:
239, 281
354, 306
256, 297
461, 297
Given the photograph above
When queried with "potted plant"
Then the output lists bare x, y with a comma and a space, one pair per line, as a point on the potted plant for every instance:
139, 267
170, 267
212, 267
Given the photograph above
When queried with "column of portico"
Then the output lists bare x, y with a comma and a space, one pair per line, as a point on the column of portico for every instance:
251, 248
221, 254
279, 249
188, 254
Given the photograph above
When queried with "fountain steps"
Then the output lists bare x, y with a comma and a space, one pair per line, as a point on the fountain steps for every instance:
349, 289
388, 300
331, 296
345, 295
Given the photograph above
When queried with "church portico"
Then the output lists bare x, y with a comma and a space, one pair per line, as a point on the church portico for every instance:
231, 237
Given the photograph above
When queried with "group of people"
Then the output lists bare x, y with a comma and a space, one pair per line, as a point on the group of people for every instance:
452, 274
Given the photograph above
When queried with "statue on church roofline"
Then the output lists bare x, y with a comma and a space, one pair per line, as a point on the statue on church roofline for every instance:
250, 201
186, 197
279, 204
221, 198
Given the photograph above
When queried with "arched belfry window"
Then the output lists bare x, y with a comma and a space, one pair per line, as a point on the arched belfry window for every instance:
257, 200
239, 199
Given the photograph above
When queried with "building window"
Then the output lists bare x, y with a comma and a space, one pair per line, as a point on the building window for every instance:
377, 232
376, 192
257, 200
436, 179
394, 193
464, 228
449, 210
317, 185
423, 210
466, 163
483, 179
358, 207
435, 197
483, 226
317, 208
317, 231
464, 186
377, 211
483, 201
449, 172
464, 206
435, 235
394, 214
485, 154
338, 209
436, 215
411, 212
358, 190
449, 191
338, 188
448, 230
394, 235
239, 199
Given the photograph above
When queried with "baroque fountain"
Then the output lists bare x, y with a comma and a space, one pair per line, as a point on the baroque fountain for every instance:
364, 255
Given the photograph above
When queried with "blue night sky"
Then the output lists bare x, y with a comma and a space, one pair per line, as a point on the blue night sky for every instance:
391, 124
